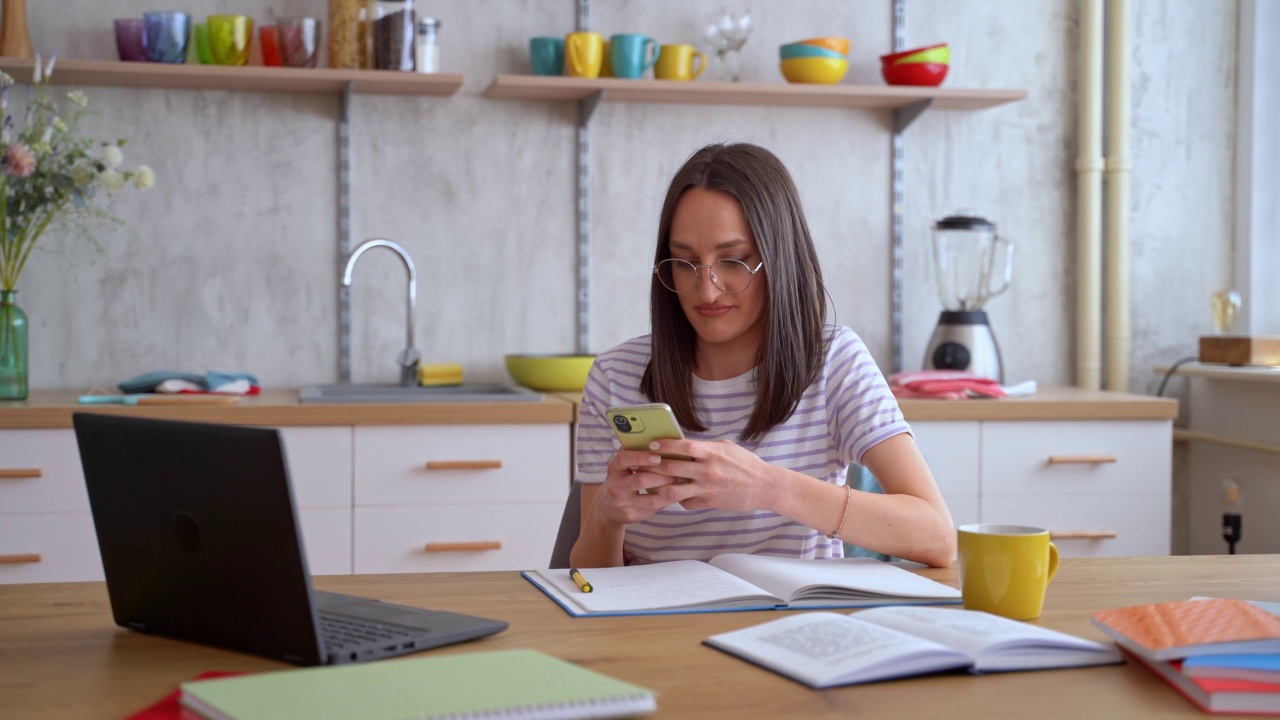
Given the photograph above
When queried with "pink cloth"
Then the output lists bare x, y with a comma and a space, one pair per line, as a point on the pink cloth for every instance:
943, 385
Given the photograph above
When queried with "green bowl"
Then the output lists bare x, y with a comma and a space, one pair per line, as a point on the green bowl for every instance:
550, 373
795, 50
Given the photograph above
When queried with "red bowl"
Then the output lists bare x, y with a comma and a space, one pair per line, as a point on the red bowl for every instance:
931, 74
888, 59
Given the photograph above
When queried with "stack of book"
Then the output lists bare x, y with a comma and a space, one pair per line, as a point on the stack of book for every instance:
1223, 655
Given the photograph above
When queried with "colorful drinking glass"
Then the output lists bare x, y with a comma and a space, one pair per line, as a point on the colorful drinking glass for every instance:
299, 40
165, 36
270, 44
129, 39
230, 38
203, 54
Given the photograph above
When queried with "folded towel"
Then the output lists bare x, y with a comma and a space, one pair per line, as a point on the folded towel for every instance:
170, 381
953, 385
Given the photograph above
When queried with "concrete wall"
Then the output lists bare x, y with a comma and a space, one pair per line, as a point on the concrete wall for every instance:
231, 261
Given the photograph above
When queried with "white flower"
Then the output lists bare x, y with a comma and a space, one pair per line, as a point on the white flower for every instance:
75, 96
145, 178
112, 181
112, 157
36, 71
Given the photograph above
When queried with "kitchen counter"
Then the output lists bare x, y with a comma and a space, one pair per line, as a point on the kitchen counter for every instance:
1049, 403
53, 409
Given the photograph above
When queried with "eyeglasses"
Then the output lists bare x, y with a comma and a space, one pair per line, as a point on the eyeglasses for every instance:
730, 276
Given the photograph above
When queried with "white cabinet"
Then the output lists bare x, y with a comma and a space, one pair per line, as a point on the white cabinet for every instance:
1101, 487
478, 497
369, 499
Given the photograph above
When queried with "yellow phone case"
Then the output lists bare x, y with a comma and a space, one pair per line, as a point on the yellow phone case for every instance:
638, 425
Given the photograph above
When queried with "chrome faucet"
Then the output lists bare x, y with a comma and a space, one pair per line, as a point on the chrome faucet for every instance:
409, 358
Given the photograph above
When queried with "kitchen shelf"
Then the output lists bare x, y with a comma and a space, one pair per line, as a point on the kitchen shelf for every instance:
247, 78
882, 97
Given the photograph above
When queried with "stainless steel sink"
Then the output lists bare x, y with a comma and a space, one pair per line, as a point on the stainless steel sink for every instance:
415, 394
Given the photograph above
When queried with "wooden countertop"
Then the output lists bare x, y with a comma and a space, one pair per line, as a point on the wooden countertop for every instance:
61, 655
53, 408
1049, 403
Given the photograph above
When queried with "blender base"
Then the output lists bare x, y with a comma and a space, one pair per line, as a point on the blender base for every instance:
963, 340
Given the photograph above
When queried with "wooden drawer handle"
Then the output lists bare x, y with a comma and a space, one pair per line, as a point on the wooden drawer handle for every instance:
464, 464
1082, 534
20, 473
464, 546
1081, 459
18, 559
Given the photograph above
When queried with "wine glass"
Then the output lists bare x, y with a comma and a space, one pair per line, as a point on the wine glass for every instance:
725, 32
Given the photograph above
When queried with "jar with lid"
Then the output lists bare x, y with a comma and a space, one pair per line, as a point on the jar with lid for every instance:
428, 45
394, 22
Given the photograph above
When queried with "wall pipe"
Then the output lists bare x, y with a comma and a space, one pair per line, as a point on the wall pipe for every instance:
1119, 170
1089, 166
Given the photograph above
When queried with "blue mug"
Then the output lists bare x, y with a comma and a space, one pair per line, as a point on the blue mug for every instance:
546, 55
165, 36
631, 54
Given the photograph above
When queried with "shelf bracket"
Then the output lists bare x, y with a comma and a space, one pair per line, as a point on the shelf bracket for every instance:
344, 233
587, 107
904, 116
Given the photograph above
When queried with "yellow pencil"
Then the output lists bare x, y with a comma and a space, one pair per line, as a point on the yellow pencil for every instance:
583, 585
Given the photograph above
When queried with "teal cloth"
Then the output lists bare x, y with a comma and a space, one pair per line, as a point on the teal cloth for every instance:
860, 478
148, 382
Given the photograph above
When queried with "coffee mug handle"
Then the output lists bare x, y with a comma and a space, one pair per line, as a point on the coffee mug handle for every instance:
650, 52
1053, 563
702, 65
571, 46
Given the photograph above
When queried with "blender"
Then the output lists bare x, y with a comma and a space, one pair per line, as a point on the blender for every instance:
969, 258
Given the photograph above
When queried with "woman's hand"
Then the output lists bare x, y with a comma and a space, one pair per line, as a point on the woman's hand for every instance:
620, 500
721, 475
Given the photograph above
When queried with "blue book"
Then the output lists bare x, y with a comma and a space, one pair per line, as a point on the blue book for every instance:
1255, 668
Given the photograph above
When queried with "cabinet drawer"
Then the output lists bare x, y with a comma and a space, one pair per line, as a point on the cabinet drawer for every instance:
40, 472
466, 464
951, 450
1140, 522
319, 465
326, 537
1076, 458
66, 544
394, 540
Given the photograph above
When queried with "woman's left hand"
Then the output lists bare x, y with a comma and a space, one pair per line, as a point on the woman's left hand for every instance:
721, 475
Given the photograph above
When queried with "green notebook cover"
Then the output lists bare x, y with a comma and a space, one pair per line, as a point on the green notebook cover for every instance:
500, 684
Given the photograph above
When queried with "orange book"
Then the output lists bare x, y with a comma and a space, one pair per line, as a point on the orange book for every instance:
1175, 630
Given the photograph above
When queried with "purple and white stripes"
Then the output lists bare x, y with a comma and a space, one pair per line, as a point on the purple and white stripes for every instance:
847, 410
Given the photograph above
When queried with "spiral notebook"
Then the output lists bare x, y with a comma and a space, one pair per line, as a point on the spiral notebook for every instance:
500, 683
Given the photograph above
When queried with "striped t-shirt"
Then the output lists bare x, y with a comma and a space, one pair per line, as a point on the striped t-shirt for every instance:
846, 410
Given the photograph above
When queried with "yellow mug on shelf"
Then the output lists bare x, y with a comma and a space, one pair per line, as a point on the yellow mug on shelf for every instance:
583, 54
1005, 569
675, 62
230, 39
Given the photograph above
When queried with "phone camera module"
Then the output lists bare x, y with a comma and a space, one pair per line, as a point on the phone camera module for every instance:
622, 423
628, 425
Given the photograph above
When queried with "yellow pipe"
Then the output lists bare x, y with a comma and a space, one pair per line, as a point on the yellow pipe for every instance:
1089, 166
1119, 170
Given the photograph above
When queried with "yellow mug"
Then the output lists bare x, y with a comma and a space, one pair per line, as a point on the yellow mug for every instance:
606, 67
675, 62
1005, 569
583, 54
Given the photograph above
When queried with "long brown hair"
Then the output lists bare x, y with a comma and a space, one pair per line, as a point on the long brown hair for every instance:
791, 354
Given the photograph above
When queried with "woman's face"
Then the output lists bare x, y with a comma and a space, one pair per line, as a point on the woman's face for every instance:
708, 225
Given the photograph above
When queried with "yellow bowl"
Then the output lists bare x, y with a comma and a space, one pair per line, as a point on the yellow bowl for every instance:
550, 373
827, 71
940, 55
839, 44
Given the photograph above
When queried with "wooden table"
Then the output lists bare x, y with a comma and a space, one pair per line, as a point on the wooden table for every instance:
61, 656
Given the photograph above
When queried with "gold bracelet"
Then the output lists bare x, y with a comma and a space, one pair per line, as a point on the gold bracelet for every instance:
848, 495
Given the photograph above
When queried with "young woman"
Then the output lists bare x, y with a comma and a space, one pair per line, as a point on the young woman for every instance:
774, 403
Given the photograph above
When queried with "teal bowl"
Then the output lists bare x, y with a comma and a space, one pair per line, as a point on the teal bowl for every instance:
797, 50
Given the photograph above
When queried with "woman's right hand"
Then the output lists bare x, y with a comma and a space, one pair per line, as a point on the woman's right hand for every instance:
619, 499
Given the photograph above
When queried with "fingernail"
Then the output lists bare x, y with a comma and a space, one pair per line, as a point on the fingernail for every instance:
655, 459
653, 445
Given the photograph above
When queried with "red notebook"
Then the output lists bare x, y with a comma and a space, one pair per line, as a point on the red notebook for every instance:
168, 707
1216, 695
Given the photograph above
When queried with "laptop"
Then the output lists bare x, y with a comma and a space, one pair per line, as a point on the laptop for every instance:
200, 541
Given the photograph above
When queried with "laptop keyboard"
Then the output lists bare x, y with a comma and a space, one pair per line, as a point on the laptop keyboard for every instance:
339, 633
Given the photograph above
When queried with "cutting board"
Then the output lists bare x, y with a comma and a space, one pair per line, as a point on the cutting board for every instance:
1240, 350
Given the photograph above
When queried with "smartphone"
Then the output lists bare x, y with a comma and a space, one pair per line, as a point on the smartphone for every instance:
638, 425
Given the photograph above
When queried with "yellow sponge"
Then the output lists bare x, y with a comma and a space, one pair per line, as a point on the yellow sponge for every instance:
440, 374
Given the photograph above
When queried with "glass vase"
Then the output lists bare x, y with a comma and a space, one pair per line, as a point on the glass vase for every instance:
13, 348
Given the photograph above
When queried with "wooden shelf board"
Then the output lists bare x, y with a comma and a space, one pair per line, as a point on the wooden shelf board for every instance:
251, 78
885, 97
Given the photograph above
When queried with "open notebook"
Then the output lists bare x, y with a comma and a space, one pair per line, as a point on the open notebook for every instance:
740, 582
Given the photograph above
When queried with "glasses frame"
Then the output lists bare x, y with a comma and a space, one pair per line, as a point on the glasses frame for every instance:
697, 274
